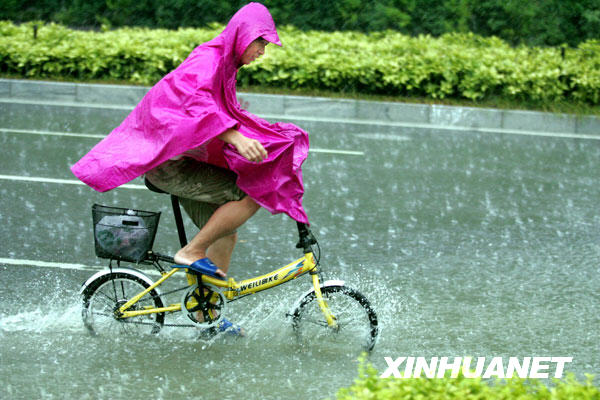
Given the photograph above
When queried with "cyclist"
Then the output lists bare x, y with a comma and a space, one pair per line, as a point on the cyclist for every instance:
191, 138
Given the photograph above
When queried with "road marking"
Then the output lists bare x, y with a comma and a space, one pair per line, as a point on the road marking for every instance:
534, 133
60, 265
46, 264
343, 152
375, 136
38, 179
68, 104
291, 117
89, 135
382, 136
50, 133
434, 127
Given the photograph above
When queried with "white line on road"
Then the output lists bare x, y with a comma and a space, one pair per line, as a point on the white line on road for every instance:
59, 265
89, 135
292, 117
533, 133
50, 133
343, 152
46, 264
38, 179
434, 127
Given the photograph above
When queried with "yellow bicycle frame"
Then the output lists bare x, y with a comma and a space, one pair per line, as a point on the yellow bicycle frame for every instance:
233, 289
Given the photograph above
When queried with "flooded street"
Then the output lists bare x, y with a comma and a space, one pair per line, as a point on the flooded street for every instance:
466, 243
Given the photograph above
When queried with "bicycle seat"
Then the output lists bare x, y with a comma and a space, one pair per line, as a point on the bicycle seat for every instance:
153, 188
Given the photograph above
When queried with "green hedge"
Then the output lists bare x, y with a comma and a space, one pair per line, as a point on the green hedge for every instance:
369, 386
389, 63
547, 22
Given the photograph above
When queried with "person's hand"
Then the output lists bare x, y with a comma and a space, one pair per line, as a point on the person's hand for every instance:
250, 149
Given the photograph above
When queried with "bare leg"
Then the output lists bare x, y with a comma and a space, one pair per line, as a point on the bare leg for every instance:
220, 253
226, 219
221, 250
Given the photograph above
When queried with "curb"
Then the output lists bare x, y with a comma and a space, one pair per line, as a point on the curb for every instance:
313, 108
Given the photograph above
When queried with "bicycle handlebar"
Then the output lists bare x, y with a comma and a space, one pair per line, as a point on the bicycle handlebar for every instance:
306, 238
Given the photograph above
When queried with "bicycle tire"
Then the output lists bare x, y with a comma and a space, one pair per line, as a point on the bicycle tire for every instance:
356, 318
104, 295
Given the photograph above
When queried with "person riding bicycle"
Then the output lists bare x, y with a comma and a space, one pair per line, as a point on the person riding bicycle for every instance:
191, 138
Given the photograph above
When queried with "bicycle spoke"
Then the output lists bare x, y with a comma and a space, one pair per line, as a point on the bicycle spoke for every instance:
356, 321
114, 289
110, 293
109, 299
315, 322
102, 314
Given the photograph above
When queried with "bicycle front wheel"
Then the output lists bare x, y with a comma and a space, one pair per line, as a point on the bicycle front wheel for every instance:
356, 319
106, 294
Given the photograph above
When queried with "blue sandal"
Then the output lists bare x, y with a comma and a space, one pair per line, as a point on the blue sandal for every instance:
228, 327
225, 326
203, 266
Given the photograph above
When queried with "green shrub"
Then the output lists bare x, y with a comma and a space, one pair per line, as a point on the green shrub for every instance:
368, 386
547, 23
460, 66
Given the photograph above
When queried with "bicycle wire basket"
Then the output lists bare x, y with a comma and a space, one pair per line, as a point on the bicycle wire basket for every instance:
123, 234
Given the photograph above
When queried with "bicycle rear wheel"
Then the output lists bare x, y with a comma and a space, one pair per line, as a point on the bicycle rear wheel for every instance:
103, 297
356, 319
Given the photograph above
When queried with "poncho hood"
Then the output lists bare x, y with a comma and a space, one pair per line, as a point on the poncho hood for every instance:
189, 108
248, 24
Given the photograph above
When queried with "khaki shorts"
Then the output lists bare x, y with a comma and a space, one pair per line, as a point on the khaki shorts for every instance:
201, 187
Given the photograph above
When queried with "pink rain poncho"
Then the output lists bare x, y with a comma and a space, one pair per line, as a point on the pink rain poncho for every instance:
189, 108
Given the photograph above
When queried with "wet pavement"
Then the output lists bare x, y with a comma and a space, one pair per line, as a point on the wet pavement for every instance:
467, 244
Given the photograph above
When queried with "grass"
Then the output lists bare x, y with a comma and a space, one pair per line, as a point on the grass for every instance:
495, 102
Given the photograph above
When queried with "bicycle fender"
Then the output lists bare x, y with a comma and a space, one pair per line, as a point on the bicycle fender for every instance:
333, 282
131, 271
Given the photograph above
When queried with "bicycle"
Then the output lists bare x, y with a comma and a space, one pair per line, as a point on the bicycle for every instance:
124, 299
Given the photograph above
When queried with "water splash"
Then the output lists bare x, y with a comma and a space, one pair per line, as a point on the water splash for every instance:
48, 319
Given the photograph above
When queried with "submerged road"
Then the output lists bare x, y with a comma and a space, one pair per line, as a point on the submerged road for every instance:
468, 243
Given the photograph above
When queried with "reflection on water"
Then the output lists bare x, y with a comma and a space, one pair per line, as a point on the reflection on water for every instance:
466, 244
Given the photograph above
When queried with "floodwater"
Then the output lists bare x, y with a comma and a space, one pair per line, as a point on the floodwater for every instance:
466, 243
